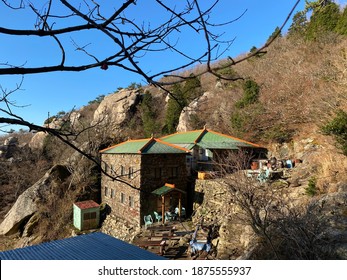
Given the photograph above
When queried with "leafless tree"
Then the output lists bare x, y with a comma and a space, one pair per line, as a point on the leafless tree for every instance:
284, 230
113, 28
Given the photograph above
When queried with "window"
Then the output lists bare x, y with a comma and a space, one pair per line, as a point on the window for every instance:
112, 169
113, 192
173, 172
131, 201
105, 167
122, 198
106, 191
157, 172
122, 170
89, 216
131, 173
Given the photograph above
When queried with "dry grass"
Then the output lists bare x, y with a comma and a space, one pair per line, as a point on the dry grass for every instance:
302, 83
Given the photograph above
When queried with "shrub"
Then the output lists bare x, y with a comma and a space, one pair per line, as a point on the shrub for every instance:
227, 71
279, 134
311, 189
338, 128
134, 85
49, 120
149, 115
250, 96
237, 120
341, 26
181, 96
97, 100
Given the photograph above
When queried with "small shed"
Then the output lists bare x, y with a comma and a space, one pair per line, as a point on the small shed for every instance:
86, 215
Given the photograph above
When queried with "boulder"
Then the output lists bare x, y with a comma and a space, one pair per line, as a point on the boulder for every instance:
11, 141
116, 108
74, 118
56, 123
188, 111
27, 203
37, 140
9, 147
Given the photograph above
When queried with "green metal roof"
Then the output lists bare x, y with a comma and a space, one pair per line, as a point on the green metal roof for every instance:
208, 139
219, 145
145, 146
165, 190
182, 137
180, 142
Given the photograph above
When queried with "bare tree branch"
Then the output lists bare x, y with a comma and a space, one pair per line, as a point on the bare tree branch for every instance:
128, 38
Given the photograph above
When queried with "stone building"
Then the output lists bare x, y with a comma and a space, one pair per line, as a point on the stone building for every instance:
208, 147
146, 165
142, 166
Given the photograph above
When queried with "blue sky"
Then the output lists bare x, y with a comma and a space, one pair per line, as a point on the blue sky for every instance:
53, 92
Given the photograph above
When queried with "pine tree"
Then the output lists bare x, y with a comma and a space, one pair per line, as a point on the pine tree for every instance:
341, 26
324, 19
299, 25
192, 88
148, 115
276, 33
181, 97
250, 94
174, 108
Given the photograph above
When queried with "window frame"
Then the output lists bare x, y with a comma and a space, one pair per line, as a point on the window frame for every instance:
122, 198
158, 172
131, 201
106, 192
173, 171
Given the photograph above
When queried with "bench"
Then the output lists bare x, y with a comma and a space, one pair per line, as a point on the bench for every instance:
155, 229
153, 243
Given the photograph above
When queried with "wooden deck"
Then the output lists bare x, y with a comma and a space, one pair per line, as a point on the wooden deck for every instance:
153, 243
163, 240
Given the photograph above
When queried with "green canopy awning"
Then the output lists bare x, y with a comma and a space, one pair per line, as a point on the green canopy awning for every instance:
167, 188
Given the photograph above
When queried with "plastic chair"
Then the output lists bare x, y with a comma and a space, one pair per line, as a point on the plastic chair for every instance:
168, 217
148, 220
183, 211
157, 216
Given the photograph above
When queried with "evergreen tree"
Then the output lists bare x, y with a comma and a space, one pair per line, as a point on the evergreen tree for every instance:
192, 88
174, 108
276, 33
148, 115
181, 97
341, 26
250, 94
253, 49
337, 127
324, 19
298, 26
316, 5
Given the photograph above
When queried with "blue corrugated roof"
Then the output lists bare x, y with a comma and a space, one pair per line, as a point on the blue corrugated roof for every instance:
93, 246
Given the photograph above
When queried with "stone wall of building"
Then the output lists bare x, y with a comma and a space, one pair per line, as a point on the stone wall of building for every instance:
123, 198
145, 172
156, 171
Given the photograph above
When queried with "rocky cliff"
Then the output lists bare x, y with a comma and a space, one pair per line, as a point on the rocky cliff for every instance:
27, 204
